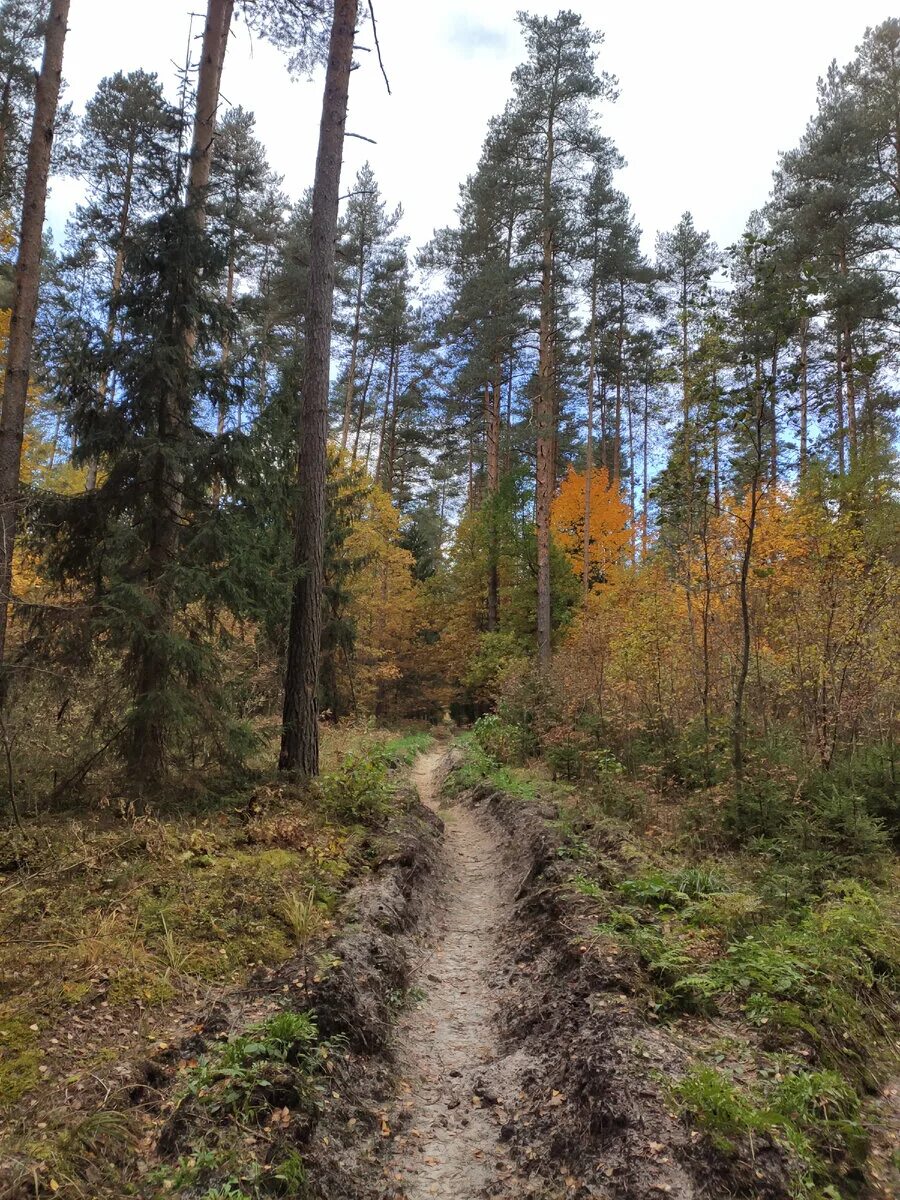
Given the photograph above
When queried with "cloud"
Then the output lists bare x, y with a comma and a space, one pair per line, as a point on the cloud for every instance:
471, 36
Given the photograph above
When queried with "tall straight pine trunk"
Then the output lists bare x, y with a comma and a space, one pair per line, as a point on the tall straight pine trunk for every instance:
492, 400
300, 736
589, 444
25, 299
545, 411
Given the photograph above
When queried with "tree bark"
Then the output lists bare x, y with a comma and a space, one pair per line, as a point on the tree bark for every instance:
354, 346
589, 444
209, 83
300, 736
25, 299
545, 409
4, 125
492, 400
737, 733
804, 395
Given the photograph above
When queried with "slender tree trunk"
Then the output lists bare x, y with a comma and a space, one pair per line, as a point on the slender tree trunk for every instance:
773, 422
392, 439
209, 82
354, 347
717, 466
382, 440
604, 425
804, 395
300, 738
620, 367
225, 359
25, 300
839, 409
362, 408
631, 478
5, 100
507, 457
492, 396
645, 474
589, 445
545, 408
851, 398
743, 593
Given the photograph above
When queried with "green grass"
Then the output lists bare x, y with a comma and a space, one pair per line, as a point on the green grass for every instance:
478, 766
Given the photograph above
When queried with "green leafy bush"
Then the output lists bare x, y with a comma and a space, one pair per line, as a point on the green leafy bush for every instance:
276, 1062
358, 792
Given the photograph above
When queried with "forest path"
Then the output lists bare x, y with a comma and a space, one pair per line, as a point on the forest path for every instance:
453, 1080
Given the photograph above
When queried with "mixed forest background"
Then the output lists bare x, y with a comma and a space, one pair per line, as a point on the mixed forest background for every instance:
629, 518
643, 505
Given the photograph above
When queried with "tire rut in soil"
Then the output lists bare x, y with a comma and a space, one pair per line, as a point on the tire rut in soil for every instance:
455, 1085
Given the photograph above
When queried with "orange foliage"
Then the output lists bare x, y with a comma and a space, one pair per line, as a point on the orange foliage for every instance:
610, 517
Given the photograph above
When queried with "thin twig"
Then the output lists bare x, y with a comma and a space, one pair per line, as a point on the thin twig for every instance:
361, 137
387, 82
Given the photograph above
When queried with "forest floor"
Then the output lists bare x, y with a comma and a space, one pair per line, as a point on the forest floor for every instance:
384, 992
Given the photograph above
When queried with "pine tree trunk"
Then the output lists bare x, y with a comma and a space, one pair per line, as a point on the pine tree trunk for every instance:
804, 395
300, 737
589, 444
354, 350
492, 397
839, 409
737, 732
631, 477
25, 300
392, 439
773, 423
717, 466
362, 408
545, 409
382, 439
620, 367
209, 83
4, 126
645, 474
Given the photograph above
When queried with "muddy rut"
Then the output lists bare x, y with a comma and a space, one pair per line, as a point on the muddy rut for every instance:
454, 1082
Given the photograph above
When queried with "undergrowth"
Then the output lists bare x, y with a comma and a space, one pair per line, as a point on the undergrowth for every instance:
122, 921
786, 933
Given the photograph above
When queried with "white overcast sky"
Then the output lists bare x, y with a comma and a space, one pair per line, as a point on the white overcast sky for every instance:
710, 92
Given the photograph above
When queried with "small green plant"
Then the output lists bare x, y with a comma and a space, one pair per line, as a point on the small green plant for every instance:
176, 958
277, 1061
672, 889
714, 1102
358, 792
292, 1176
226, 1191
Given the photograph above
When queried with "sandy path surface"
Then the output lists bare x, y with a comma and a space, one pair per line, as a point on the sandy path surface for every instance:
453, 1084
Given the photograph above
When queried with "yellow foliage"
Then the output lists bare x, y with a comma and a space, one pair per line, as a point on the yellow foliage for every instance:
385, 602
610, 517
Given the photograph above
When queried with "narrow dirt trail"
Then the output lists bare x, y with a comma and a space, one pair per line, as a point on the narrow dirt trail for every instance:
452, 1081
